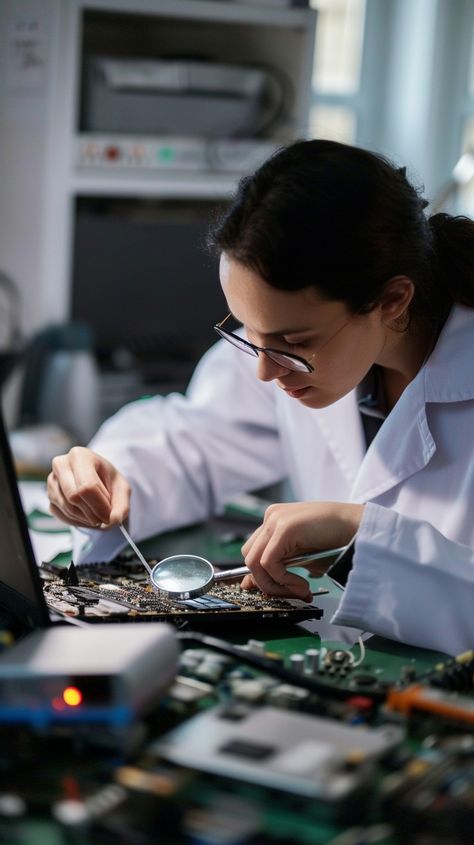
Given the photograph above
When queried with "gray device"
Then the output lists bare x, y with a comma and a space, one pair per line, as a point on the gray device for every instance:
298, 753
175, 97
100, 673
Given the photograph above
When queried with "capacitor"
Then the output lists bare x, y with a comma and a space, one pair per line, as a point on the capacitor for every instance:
256, 646
210, 671
311, 661
297, 663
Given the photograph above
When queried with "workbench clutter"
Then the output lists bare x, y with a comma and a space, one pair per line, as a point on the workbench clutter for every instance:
166, 727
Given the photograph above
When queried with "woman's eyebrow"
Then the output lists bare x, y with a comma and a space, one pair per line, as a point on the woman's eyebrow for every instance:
280, 332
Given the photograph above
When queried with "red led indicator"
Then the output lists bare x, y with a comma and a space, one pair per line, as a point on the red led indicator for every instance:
72, 696
112, 153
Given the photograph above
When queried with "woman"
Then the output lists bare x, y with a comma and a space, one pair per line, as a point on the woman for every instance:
357, 311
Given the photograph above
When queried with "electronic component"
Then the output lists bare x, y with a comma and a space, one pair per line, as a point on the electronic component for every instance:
428, 700
338, 661
68, 674
432, 800
455, 674
295, 752
123, 596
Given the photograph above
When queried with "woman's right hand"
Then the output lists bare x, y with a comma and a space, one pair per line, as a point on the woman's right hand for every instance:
87, 491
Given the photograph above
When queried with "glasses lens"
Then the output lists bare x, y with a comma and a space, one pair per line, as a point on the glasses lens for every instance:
290, 362
236, 341
287, 361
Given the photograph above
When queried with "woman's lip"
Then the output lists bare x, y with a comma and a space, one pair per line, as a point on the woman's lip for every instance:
296, 393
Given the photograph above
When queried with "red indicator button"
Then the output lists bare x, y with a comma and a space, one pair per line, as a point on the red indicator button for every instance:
112, 153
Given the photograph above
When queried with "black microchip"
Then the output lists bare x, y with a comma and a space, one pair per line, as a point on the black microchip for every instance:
249, 750
363, 680
234, 712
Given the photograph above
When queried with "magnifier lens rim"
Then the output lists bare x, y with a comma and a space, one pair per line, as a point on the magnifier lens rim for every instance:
184, 593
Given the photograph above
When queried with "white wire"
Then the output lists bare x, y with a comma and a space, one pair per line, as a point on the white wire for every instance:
361, 657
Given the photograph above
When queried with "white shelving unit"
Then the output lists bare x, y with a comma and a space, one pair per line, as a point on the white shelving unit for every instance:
43, 168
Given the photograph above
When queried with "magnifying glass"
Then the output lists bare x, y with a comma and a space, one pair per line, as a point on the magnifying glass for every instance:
183, 577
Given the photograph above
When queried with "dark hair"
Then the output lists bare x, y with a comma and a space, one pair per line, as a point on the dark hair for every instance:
346, 221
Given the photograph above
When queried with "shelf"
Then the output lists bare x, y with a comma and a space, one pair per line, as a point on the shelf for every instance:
174, 184
208, 10
50, 176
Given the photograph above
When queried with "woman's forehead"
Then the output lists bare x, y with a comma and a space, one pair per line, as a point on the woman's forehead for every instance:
270, 310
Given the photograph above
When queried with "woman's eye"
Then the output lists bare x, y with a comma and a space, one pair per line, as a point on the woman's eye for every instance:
298, 344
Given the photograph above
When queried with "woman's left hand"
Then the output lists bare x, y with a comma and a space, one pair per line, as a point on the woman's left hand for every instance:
292, 529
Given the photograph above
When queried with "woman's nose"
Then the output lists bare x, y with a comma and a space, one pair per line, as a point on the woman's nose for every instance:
267, 370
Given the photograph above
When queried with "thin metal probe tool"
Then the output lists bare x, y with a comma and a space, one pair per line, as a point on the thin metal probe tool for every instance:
137, 551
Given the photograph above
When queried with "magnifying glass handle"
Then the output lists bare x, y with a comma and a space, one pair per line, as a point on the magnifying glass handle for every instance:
289, 562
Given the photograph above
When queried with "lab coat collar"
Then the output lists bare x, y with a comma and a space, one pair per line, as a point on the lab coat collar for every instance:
402, 447
405, 444
342, 428
449, 371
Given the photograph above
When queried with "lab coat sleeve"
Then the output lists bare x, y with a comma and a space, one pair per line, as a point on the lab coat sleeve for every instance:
184, 456
410, 583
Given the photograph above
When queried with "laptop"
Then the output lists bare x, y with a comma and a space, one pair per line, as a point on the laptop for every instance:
109, 591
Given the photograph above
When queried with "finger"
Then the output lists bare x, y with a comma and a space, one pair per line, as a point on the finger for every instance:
275, 570
70, 521
85, 462
248, 583
297, 589
120, 500
271, 579
83, 487
93, 485
270, 544
72, 502
252, 540
255, 547
72, 462
298, 585
281, 540
284, 532
67, 512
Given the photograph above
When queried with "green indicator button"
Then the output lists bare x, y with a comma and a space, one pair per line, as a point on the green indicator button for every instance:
166, 153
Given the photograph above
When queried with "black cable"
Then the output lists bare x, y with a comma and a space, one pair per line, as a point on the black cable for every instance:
271, 667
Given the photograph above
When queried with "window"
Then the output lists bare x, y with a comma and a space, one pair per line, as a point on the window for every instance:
337, 69
465, 167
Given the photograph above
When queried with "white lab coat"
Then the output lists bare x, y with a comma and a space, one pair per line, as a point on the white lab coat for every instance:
413, 572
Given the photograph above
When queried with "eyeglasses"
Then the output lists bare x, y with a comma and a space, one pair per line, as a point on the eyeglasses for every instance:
285, 359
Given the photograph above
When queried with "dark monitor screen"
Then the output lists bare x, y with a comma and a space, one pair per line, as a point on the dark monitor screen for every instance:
143, 279
21, 595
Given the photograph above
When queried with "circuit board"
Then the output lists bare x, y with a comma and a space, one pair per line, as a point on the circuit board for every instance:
119, 591
277, 740
241, 755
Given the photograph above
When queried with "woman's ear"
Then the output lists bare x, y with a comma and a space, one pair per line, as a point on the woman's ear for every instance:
396, 298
